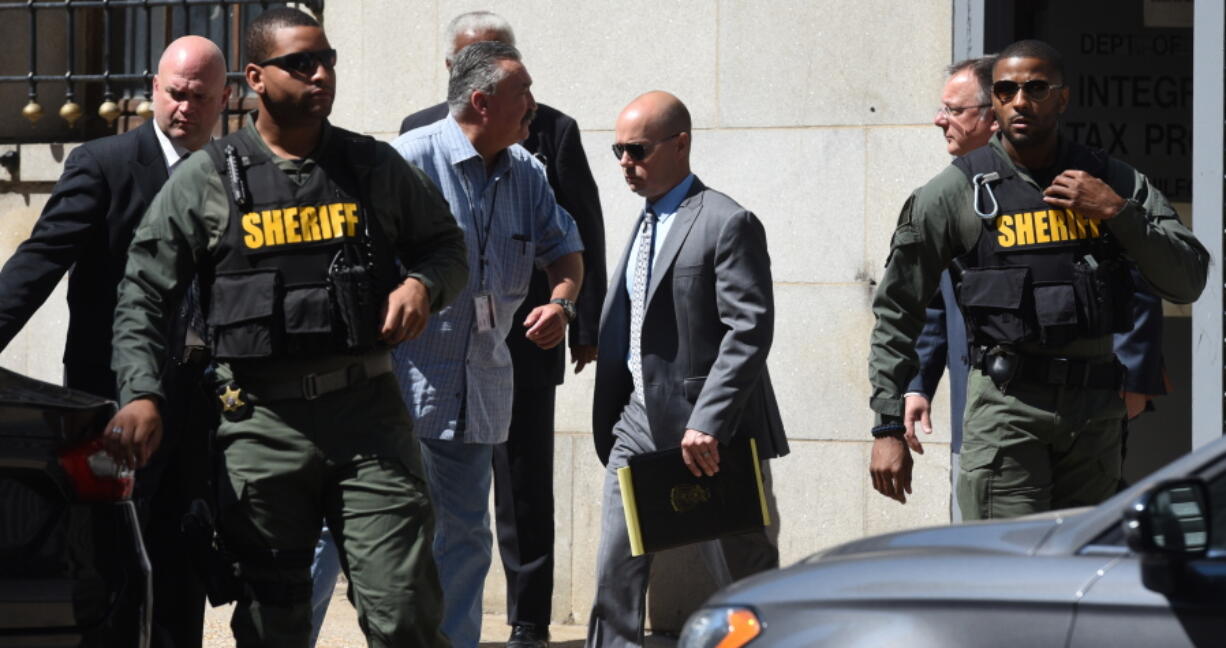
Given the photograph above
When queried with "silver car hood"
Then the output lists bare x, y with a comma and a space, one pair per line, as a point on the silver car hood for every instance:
1017, 536
938, 563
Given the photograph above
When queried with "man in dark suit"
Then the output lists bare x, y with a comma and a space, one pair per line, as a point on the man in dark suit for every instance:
967, 123
87, 225
523, 466
684, 335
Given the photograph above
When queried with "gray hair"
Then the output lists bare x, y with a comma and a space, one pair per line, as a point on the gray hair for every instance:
982, 69
476, 68
477, 22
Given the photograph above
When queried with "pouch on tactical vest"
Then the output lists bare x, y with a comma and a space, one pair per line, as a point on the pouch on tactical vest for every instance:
1037, 273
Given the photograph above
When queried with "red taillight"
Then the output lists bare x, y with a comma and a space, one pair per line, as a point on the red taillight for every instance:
96, 475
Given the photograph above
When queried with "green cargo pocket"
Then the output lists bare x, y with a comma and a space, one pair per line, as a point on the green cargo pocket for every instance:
976, 469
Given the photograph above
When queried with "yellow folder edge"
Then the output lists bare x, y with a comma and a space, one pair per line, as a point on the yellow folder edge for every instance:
757, 472
626, 482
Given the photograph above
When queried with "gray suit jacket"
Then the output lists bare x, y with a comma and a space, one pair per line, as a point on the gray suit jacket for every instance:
706, 333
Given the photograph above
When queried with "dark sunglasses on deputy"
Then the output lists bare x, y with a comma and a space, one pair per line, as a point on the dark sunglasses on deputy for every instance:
1035, 90
303, 62
638, 151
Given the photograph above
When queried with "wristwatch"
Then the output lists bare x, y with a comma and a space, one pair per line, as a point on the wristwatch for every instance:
568, 308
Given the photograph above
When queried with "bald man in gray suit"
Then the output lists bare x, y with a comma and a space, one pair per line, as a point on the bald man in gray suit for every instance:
684, 335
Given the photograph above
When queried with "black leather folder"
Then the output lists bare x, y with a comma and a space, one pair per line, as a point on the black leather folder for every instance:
667, 506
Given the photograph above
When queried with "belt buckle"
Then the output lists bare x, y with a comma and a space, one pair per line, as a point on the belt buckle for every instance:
310, 388
1058, 371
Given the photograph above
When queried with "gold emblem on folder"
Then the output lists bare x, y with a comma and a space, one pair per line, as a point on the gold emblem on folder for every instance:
687, 497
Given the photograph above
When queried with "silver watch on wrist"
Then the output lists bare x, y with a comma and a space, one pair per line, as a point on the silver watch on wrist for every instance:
568, 308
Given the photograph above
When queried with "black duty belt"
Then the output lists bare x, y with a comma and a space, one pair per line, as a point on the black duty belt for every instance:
314, 385
1054, 370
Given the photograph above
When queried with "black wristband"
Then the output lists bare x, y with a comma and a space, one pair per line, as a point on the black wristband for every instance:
889, 430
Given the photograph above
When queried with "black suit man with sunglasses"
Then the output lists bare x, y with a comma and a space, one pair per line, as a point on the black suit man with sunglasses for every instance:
1040, 235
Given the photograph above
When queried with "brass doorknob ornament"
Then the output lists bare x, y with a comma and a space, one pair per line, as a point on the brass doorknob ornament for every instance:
109, 110
32, 111
71, 112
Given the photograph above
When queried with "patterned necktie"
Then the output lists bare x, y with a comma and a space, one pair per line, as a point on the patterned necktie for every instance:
638, 301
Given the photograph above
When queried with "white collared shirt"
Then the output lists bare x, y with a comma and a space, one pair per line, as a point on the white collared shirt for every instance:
171, 151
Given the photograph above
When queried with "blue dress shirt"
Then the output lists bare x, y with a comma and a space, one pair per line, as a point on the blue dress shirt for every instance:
456, 380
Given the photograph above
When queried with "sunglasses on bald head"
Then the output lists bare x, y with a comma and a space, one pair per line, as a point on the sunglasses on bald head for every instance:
638, 151
303, 62
1035, 90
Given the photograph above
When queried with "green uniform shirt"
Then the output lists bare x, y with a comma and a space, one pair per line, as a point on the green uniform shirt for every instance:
938, 223
187, 219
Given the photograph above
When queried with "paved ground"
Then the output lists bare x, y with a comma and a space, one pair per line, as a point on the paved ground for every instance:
341, 629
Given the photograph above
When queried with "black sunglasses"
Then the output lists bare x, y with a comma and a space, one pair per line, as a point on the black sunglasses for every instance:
1036, 90
639, 151
303, 62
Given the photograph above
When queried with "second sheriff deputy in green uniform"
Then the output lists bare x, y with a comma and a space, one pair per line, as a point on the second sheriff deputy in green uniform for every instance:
1043, 289
296, 260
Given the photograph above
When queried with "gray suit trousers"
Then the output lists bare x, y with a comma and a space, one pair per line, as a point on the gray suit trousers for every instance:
619, 611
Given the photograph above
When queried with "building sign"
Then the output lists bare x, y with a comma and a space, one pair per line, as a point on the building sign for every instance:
1130, 85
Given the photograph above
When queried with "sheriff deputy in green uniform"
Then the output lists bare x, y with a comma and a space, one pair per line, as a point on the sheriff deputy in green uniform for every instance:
294, 228
1039, 233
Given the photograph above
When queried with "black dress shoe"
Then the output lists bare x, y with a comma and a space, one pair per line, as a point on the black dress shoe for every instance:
526, 635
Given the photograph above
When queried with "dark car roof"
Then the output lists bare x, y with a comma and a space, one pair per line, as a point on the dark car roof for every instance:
19, 390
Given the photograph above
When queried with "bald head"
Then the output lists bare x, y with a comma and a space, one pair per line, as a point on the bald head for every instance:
189, 90
658, 125
663, 110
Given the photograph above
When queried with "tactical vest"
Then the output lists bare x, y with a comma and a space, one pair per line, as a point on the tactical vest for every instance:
272, 288
1038, 273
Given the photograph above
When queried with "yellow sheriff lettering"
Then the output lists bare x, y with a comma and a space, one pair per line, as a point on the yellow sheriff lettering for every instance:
274, 234
310, 223
298, 225
351, 219
1040, 227
254, 239
1024, 229
290, 218
1059, 225
1004, 227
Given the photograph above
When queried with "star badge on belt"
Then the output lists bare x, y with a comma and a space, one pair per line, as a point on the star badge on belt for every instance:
231, 399
233, 406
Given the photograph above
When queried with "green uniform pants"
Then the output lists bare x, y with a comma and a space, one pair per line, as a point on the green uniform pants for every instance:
349, 457
1037, 447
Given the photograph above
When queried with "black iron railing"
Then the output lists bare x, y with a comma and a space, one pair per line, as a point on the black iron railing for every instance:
133, 33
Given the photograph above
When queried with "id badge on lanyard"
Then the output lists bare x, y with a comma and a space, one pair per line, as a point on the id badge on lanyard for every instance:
483, 306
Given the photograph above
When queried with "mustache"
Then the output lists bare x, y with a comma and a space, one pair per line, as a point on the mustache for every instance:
528, 119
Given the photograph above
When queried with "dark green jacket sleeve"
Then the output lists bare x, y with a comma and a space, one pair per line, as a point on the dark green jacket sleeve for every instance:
1165, 251
935, 225
428, 241
173, 236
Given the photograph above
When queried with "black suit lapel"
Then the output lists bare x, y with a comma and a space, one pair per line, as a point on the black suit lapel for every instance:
149, 168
